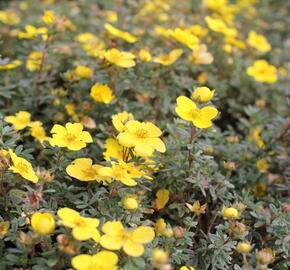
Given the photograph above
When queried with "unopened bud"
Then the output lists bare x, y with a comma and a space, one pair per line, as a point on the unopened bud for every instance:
178, 232
265, 256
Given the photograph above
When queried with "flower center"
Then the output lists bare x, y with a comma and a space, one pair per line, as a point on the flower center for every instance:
70, 137
141, 133
126, 235
89, 172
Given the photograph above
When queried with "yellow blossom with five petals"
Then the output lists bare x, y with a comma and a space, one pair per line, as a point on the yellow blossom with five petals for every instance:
131, 240
22, 167
20, 121
168, 59
71, 136
188, 111
83, 228
143, 136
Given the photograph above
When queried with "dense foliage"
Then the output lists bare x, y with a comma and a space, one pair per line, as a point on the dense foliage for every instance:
144, 134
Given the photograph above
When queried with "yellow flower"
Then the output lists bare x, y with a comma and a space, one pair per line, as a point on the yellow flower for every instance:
188, 111
203, 94
84, 170
217, 25
160, 226
38, 132
144, 137
197, 208
159, 256
123, 172
259, 42
113, 150
48, 17
120, 119
198, 30
260, 190
34, 60
4, 226
244, 247
168, 59
83, 228
131, 240
87, 37
262, 71
162, 198
184, 37
70, 109
111, 16
84, 72
131, 203
231, 41
119, 58
102, 93
144, 55
22, 167
187, 268
230, 212
215, 4
200, 56
262, 165
119, 33
43, 223
33, 32
9, 17
13, 64
255, 137
20, 121
104, 260
71, 136
202, 77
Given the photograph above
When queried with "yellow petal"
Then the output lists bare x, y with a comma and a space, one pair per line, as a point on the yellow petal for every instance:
208, 112
69, 216
133, 249
106, 259
162, 198
111, 242
114, 228
82, 262
143, 235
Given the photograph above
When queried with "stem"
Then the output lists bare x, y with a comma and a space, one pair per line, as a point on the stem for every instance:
189, 156
245, 261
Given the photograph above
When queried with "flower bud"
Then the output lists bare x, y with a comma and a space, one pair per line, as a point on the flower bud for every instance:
208, 150
167, 232
202, 94
265, 256
45, 175
131, 203
48, 17
243, 247
286, 208
233, 139
43, 223
178, 232
65, 245
230, 213
231, 166
159, 256
26, 239
238, 228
